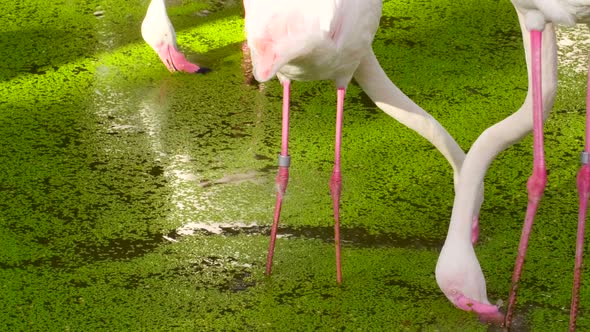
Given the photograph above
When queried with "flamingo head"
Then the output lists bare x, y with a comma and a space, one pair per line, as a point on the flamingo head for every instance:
459, 276
158, 32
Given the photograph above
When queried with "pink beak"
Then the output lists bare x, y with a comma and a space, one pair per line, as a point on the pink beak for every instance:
176, 61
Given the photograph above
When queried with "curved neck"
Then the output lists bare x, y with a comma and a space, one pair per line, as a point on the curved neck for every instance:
388, 97
156, 6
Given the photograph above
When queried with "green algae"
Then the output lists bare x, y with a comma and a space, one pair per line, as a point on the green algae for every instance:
104, 152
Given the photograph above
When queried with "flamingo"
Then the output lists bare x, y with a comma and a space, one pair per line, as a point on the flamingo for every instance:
458, 271
330, 40
158, 32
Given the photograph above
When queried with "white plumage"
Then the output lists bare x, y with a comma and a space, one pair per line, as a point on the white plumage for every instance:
566, 12
310, 40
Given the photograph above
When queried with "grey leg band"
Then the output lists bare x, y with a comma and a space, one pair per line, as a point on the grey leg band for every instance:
284, 161
584, 158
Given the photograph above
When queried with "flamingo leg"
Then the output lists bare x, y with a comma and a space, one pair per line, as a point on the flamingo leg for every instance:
283, 174
537, 181
336, 180
583, 181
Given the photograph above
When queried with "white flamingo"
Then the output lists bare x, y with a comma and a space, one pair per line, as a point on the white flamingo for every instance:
458, 271
330, 40
158, 32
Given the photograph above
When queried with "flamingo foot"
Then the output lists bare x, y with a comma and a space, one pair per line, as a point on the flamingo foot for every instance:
176, 61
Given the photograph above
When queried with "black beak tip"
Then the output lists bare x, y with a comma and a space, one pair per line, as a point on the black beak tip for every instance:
203, 70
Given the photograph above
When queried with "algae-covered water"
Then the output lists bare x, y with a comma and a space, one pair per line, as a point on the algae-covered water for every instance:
133, 199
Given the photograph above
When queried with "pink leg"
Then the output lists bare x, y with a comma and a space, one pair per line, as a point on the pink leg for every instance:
283, 175
583, 192
537, 181
336, 180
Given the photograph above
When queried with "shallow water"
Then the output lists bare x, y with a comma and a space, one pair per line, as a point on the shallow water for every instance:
106, 160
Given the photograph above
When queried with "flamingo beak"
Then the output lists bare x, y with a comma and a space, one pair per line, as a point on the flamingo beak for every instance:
487, 313
176, 61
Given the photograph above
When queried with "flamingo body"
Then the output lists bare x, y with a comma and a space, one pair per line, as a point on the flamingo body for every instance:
566, 12
298, 43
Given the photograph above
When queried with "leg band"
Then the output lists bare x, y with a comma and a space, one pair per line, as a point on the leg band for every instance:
284, 161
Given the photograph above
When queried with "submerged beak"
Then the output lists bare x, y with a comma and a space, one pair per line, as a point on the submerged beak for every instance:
176, 61
487, 313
